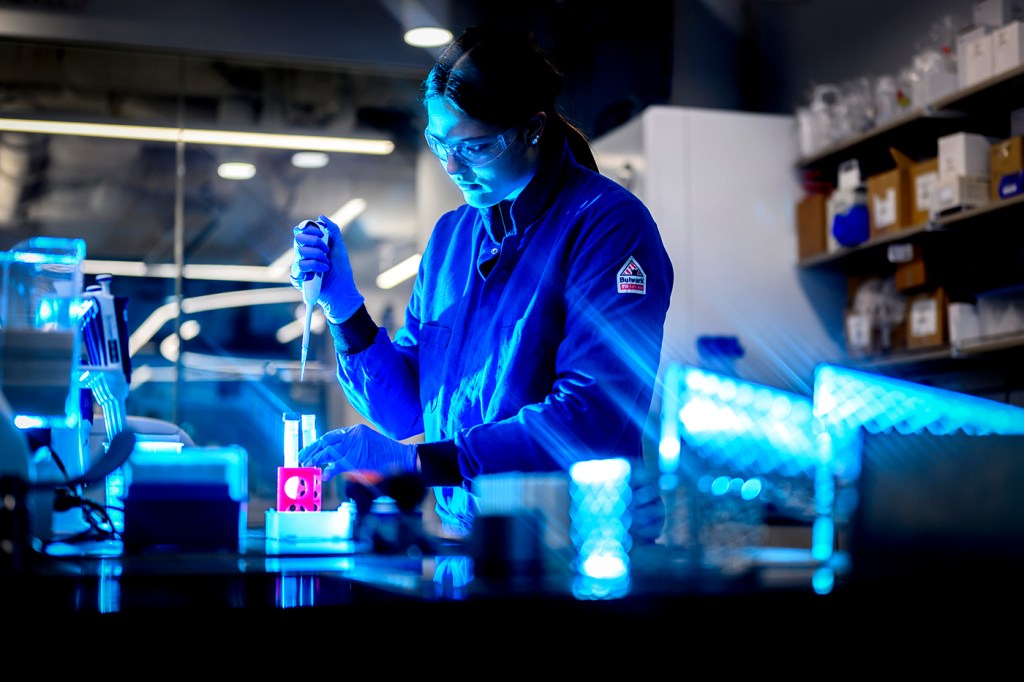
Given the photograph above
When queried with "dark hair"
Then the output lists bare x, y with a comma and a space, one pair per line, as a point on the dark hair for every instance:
502, 76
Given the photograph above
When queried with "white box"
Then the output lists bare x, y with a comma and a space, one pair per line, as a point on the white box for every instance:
964, 325
974, 60
960, 192
1001, 313
963, 154
933, 85
1008, 47
994, 13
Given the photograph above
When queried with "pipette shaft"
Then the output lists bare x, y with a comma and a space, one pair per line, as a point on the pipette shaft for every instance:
310, 293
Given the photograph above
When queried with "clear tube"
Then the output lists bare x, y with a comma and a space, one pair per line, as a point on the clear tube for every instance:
308, 430
292, 436
299, 431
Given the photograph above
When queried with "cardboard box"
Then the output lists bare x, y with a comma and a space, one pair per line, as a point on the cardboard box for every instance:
810, 226
912, 274
1005, 157
1008, 47
963, 154
960, 193
889, 198
926, 319
924, 175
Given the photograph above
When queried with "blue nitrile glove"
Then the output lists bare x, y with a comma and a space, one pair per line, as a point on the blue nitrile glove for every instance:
358, 448
338, 294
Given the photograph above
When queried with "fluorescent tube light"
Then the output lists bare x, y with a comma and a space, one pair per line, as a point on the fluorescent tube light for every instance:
348, 145
397, 274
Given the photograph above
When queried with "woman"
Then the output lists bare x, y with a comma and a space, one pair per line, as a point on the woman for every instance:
533, 333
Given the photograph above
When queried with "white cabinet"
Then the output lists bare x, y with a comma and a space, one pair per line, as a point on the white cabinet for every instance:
723, 191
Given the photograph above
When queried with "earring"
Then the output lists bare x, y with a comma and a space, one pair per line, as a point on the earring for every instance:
535, 140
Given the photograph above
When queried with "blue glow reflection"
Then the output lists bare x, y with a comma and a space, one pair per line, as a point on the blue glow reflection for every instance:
599, 517
845, 399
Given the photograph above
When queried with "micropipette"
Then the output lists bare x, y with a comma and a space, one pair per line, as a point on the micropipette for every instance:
310, 292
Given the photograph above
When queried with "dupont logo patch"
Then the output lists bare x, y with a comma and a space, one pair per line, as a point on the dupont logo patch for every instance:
631, 278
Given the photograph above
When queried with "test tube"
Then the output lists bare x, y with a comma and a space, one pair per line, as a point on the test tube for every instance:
308, 430
299, 431
292, 438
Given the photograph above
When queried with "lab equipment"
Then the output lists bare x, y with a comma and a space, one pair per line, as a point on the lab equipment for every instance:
310, 293
40, 342
39, 330
108, 376
299, 516
299, 489
187, 497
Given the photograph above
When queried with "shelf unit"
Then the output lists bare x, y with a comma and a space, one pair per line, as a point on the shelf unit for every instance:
979, 249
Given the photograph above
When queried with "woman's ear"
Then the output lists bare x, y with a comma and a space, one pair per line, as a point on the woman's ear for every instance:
535, 127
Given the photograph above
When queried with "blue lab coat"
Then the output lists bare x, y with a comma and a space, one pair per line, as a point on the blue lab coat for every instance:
524, 348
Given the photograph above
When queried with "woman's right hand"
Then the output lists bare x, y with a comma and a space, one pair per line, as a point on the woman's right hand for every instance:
339, 296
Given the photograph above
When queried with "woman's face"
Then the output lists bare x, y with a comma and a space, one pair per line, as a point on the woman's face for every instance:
486, 163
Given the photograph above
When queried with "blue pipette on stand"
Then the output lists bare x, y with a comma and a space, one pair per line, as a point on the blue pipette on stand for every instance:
310, 292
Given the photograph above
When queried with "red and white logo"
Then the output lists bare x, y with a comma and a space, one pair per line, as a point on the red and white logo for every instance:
631, 278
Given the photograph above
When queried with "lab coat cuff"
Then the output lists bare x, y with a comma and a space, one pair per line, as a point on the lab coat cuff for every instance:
355, 334
439, 463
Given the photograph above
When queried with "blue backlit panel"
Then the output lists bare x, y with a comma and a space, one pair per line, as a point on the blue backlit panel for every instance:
749, 427
741, 450
845, 399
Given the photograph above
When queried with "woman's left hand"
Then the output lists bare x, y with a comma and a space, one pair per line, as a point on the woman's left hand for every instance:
358, 448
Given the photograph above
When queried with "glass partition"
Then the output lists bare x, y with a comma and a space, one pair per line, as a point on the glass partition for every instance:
195, 229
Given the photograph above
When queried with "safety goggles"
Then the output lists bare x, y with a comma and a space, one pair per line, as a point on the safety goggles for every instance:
473, 152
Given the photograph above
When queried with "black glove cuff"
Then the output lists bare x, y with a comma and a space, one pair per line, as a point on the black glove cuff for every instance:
355, 334
439, 463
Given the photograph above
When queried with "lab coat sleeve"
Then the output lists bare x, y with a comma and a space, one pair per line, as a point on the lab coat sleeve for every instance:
379, 377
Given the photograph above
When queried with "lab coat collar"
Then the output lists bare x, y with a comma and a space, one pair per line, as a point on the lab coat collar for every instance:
539, 193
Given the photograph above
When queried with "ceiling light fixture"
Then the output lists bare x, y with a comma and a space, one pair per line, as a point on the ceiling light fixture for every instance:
310, 159
348, 145
428, 36
236, 170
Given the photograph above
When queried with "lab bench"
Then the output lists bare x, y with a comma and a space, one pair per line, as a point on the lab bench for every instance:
445, 596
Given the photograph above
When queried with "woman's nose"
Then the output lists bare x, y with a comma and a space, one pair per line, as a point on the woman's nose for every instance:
451, 164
